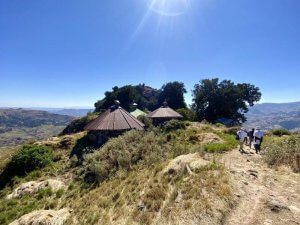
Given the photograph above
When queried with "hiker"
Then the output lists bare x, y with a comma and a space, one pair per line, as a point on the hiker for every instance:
258, 139
250, 136
241, 135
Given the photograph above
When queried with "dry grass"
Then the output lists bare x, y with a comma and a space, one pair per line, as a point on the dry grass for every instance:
283, 151
135, 191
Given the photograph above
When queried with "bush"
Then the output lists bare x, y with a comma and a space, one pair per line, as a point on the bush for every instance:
145, 120
232, 130
173, 125
285, 151
280, 132
78, 125
27, 159
124, 153
187, 114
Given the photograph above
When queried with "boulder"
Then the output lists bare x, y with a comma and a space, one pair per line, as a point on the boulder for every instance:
185, 162
43, 217
33, 187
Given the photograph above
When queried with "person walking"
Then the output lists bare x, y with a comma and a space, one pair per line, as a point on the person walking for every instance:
251, 136
258, 139
241, 135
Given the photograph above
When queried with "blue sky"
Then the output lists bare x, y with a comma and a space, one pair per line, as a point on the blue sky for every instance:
68, 53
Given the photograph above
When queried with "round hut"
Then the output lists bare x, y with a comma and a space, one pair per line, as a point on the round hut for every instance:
111, 123
137, 112
163, 114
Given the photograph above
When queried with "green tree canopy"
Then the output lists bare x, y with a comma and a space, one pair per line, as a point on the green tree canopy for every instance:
146, 97
173, 93
213, 100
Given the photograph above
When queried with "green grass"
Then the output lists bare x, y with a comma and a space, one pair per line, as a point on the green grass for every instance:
228, 144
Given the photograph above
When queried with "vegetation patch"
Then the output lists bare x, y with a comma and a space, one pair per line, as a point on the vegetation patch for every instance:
78, 125
173, 125
124, 153
27, 159
283, 151
280, 132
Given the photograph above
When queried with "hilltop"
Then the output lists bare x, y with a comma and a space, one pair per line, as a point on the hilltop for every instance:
182, 173
18, 125
274, 116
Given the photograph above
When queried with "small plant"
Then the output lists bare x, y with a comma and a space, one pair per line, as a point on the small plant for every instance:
280, 132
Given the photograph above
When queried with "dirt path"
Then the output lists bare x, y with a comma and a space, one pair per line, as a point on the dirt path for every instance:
263, 195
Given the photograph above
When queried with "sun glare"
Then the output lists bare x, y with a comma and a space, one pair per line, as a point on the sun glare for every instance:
169, 7
164, 9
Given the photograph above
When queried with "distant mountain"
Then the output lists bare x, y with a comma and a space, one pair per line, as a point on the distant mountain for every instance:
75, 112
275, 115
18, 125
72, 112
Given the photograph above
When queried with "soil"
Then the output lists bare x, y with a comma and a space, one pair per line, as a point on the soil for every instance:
264, 196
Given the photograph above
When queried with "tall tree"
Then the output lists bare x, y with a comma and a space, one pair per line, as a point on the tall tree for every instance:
146, 97
173, 93
213, 100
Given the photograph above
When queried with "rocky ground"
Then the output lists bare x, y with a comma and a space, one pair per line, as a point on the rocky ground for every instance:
263, 195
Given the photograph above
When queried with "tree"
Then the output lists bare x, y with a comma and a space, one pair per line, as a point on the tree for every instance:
146, 97
213, 100
173, 93
187, 114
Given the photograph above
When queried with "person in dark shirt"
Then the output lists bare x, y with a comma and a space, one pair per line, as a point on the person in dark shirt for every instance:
251, 137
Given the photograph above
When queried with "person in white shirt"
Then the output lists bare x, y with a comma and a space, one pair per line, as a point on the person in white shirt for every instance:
258, 139
241, 134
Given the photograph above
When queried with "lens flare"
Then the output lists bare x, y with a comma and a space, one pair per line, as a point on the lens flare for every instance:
169, 7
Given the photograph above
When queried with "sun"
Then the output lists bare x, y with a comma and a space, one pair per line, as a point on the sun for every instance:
169, 7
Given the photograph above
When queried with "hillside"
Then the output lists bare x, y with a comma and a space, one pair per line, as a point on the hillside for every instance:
275, 115
190, 175
18, 125
72, 112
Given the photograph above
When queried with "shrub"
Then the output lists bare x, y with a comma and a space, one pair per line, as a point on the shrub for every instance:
145, 120
124, 153
232, 130
187, 114
285, 151
27, 159
173, 125
78, 125
280, 132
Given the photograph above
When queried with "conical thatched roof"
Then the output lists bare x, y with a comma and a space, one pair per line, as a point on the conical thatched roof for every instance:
115, 119
164, 112
138, 112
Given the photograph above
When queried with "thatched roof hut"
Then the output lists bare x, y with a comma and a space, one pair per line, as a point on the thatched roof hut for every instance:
136, 112
164, 113
115, 119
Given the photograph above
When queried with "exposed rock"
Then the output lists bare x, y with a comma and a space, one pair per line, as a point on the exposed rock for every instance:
209, 138
33, 187
44, 217
181, 163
